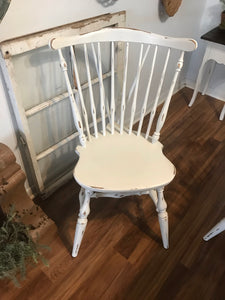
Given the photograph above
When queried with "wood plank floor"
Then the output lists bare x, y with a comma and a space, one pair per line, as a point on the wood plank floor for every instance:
121, 256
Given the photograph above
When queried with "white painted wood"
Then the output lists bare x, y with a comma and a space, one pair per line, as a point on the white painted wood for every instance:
125, 162
152, 115
20, 116
78, 123
163, 217
40, 39
136, 77
209, 75
76, 114
200, 74
48, 103
92, 103
222, 114
123, 101
125, 35
133, 107
218, 228
99, 78
216, 53
112, 87
12, 51
84, 198
163, 113
101, 86
144, 106
139, 164
154, 197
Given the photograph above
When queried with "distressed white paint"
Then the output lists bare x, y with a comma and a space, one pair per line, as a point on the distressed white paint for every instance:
112, 108
123, 101
125, 35
163, 113
156, 101
218, 228
144, 107
123, 162
92, 103
193, 19
46, 137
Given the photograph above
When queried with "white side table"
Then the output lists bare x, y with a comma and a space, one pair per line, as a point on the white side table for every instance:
215, 51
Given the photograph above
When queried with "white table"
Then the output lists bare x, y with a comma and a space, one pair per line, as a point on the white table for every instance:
215, 51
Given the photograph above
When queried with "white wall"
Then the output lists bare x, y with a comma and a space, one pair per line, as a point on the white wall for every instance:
27, 16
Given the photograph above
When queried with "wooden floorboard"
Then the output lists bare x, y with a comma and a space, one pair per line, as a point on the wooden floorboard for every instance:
121, 256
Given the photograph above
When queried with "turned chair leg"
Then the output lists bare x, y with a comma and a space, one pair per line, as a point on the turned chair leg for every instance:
163, 217
84, 198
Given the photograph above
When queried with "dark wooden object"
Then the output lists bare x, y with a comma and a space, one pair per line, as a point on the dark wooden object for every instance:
215, 35
171, 6
121, 256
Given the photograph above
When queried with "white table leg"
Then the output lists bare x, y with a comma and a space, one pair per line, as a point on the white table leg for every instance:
212, 67
199, 78
222, 113
218, 228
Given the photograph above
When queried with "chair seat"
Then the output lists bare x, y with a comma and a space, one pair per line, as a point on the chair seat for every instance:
122, 163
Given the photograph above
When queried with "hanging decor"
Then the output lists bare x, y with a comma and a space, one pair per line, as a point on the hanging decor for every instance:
4, 5
171, 6
106, 3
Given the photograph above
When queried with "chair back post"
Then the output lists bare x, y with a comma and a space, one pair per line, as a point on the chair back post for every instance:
112, 106
164, 111
75, 111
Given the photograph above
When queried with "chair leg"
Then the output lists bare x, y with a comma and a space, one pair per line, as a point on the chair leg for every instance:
163, 217
84, 198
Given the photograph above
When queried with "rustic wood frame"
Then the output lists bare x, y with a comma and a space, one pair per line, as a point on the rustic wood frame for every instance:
12, 47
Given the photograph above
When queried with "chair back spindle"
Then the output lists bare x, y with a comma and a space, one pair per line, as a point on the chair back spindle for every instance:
112, 108
141, 91
92, 103
134, 103
156, 101
143, 110
102, 98
83, 108
123, 100
163, 113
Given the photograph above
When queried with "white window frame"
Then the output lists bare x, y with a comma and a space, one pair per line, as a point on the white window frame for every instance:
20, 116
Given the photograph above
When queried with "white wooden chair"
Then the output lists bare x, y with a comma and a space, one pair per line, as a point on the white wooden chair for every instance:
115, 161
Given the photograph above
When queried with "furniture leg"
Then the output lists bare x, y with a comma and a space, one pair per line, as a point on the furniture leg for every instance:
222, 114
153, 196
199, 79
209, 75
84, 198
218, 228
163, 217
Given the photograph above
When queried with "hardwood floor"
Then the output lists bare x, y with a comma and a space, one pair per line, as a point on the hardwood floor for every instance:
121, 256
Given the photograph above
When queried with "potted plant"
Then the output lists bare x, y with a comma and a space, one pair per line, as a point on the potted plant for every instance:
222, 24
17, 248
